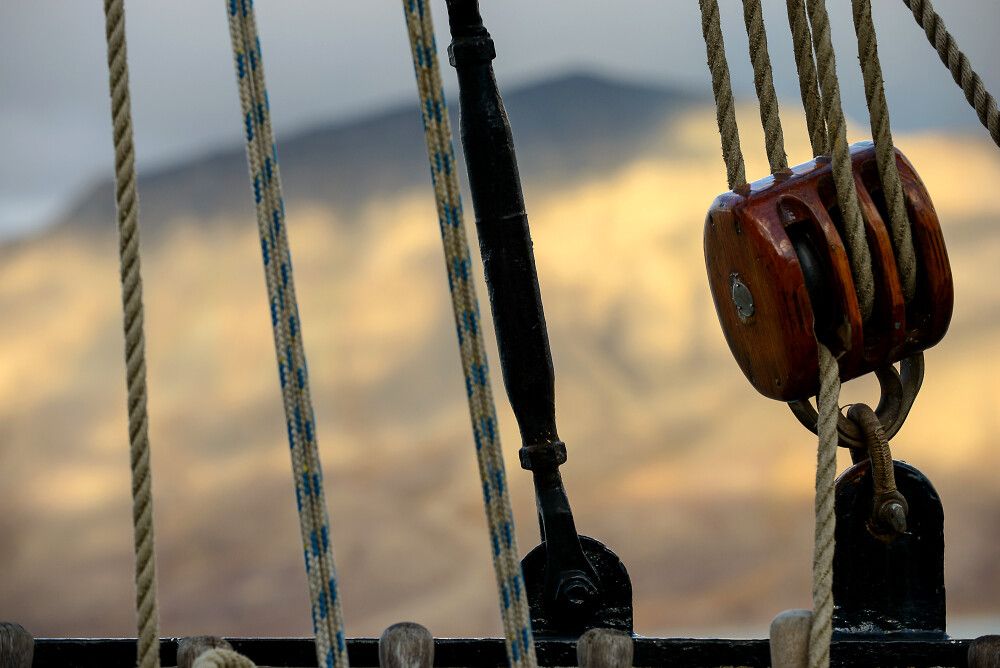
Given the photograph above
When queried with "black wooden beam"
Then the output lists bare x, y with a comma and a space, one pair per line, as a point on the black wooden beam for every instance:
489, 652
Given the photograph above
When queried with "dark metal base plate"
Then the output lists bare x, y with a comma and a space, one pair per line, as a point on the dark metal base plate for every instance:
616, 592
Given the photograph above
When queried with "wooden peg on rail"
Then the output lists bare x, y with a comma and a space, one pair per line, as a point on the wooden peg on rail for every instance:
984, 652
790, 639
17, 646
189, 649
406, 645
604, 648
209, 652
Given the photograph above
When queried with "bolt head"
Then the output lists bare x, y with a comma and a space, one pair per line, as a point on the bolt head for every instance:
742, 298
577, 595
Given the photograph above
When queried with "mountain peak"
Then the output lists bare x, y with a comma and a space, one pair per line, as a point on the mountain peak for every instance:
564, 123
589, 83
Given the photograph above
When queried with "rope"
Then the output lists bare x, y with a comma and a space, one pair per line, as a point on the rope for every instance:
821, 626
222, 658
885, 154
821, 630
843, 174
805, 65
774, 138
722, 89
262, 159
127, 204
465, 307
956, 61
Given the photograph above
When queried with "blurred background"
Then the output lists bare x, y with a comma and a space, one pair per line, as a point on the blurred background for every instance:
703, 487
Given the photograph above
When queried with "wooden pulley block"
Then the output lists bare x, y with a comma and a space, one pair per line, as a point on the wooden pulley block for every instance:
780, 276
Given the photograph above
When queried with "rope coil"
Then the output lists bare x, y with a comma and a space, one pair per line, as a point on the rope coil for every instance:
262, 159
127, 205
465, 307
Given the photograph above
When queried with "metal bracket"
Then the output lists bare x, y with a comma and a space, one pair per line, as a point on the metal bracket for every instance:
895, 587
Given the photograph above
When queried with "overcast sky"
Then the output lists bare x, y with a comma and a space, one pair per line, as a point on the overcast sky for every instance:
331, 59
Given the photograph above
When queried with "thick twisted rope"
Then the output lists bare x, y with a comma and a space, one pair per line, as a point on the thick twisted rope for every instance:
722, 89
821, 625
885, 154
127, 203
465, 308
821, 629
222, 658
805, 65
262, 159
763, 79
843, 174
956, 61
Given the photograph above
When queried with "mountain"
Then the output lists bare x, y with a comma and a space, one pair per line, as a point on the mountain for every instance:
701, 486
563, 126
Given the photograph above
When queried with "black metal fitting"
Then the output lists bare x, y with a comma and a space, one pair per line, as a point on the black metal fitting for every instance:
538, 457
575, 583
475, 48
888, 587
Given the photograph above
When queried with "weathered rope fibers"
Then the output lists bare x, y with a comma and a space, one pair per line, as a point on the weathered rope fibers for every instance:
223, 658
821, 630
843, 175
828, 399
885, 154
722, 90
331, 646
805, 65
774, 138
127, 204
465, 306
958, 63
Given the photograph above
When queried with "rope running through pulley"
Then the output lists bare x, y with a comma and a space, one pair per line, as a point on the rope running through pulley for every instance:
819, 87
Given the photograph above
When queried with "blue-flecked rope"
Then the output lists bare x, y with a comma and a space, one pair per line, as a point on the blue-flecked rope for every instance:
465, 306
262, 159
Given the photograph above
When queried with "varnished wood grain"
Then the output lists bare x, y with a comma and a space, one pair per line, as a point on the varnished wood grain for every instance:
888, 320
751, 234
930, 313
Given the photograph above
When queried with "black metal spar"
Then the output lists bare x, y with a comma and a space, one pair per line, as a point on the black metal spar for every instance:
573, 582
490, 653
